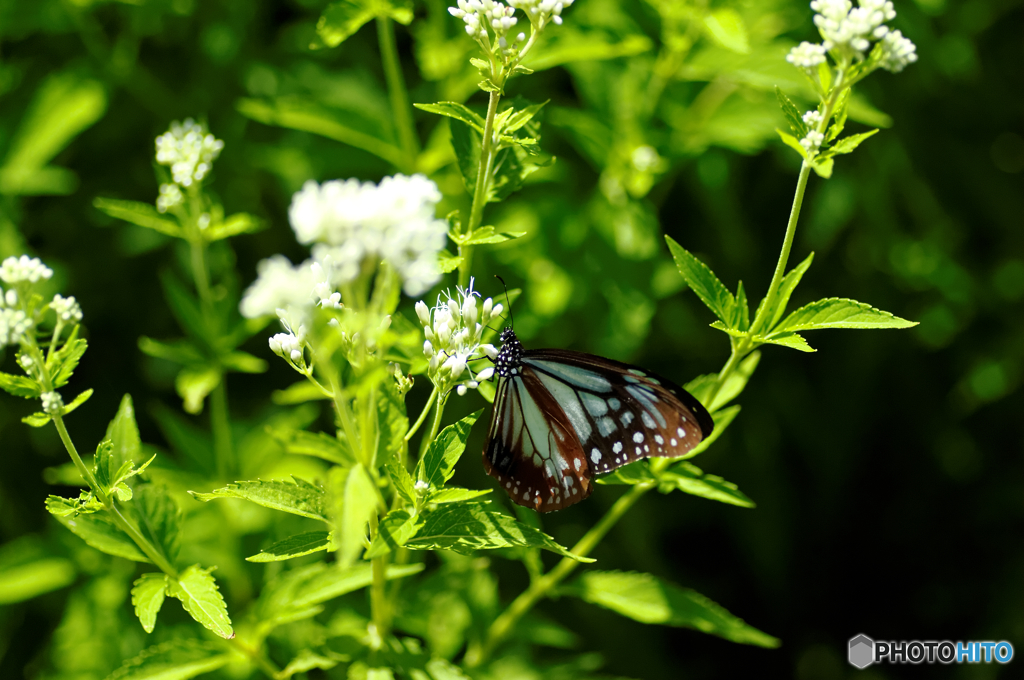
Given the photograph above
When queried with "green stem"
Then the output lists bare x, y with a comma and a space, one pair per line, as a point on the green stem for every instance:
435, 426
423, 415
83, 470
480, 191
401, 112
504, 624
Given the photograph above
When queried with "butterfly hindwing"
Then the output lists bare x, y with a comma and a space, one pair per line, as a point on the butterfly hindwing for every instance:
532, 448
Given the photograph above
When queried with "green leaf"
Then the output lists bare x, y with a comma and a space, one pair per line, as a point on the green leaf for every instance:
822, 168
185, 307
316, 444
301, 498
20, 386
839, 114
442, 669
147, 598
454, 494
723, 418
736, 382
200, 597
123, 434
307, 116
66, 359
786, 288
438, 464
485, 235
307, 660
194, 384
635, 473
159, 518
298, 393
465, 527
448, 262
294, 546
726, 27
793, 115
521, 117
703, 282
140, 214
77, 401
342, 19
174, 660
791, 340
793, 143
848, 144
392, 422
585, 46
102, 468
37, 419
233, 225
838, 313
741, 311
358, 506
95, 529
466, 144
645, 598
243, 362
402, 481
394, 531
27, 579
688, 478
456, 111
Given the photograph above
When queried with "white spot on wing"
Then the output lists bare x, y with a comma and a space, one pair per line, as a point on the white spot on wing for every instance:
638, 437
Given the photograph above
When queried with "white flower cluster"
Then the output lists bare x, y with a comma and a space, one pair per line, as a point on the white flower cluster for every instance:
190, 151
18, 269
67, 308
52, 403
454, 337
353, 223
542, 11
279, 288
289, 345
481, 14
848, 32
812, 118
812, 142
14, 323
170, 196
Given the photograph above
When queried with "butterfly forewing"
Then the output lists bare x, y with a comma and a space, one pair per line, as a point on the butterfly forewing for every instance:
532, 448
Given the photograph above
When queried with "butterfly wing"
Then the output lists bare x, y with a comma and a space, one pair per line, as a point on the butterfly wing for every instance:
619, 413
532, 448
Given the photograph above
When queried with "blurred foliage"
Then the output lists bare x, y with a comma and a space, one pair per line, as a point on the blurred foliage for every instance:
886, 468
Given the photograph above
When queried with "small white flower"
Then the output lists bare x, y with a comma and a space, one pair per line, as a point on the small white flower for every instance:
288, 345
189, 150
10, 298
170, 196
67, 309
421, 486
24, 268
807, 55
52, 403
897, 52
812, 142
812, 118
279, 285
13, 325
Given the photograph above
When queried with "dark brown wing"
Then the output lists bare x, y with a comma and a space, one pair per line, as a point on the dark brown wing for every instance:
532, 449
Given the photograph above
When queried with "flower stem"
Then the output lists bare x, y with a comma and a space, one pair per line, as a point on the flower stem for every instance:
480, 191
423, 415
401, 112
435, 426
504, 624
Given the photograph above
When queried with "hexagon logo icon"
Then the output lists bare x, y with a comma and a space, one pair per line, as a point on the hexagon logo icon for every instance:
862, 651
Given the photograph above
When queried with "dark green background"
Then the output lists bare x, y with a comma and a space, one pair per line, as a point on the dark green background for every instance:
887, 468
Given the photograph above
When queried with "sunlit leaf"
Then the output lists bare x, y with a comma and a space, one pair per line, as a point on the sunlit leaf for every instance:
147, 598
438, 463
201, 598
301, 498
294, 546
174, 660
703, 282
140, 214
688, 478
95, 529
358, 506
456, 111
394, 531
838, 313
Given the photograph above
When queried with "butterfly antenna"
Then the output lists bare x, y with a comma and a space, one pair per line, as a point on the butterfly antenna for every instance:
511, 320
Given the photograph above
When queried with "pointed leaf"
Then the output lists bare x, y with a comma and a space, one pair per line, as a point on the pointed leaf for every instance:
466, 144
736, 382
438, 464
174, 660
28, 573
647, 599
159, 518
343, 18
316, 444
822, 167
402, 481
688, 478
486, 235
123, 434
793, 143
147, 598
635, 473
726, 27
392, 422
839, 313
97, 530
77, 401
233, 225
65, 361
791, 340
519, 118
200, 597
394, 531
848, 144
465, 527
703, 282
456, 111
301, 498
294, 546
140, 214
359, 505
786, 288
792, 113
20, 386
454, 494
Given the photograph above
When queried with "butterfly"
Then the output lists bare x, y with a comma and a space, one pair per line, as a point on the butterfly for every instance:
562, 417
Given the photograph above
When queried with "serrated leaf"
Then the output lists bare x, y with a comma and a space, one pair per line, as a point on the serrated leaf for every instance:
140, 214
838, 313
723, 418
97, 530
848, 144
647, 599
20, 386
823, 167
174, 660
358, 506
786, 288
454, 494
102, 467
465, 527
448, 262
688, 478
394, 531
521, 117
316, 444
294, 546
793, 143
741, 311
342, 19
77, 401
159, 518
486, 235
791, 340
635, 473
839, 114
301, 498
38, 419
123, 435
199, 595
466, 144
402, 481
66, 359
147, 598
456, 111
792, 114
438, 463
703, 282
307, 660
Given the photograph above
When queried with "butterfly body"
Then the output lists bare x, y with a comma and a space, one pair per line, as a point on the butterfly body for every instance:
562, 417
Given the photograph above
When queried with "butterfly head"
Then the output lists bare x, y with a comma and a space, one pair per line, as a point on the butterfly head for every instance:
510, 355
